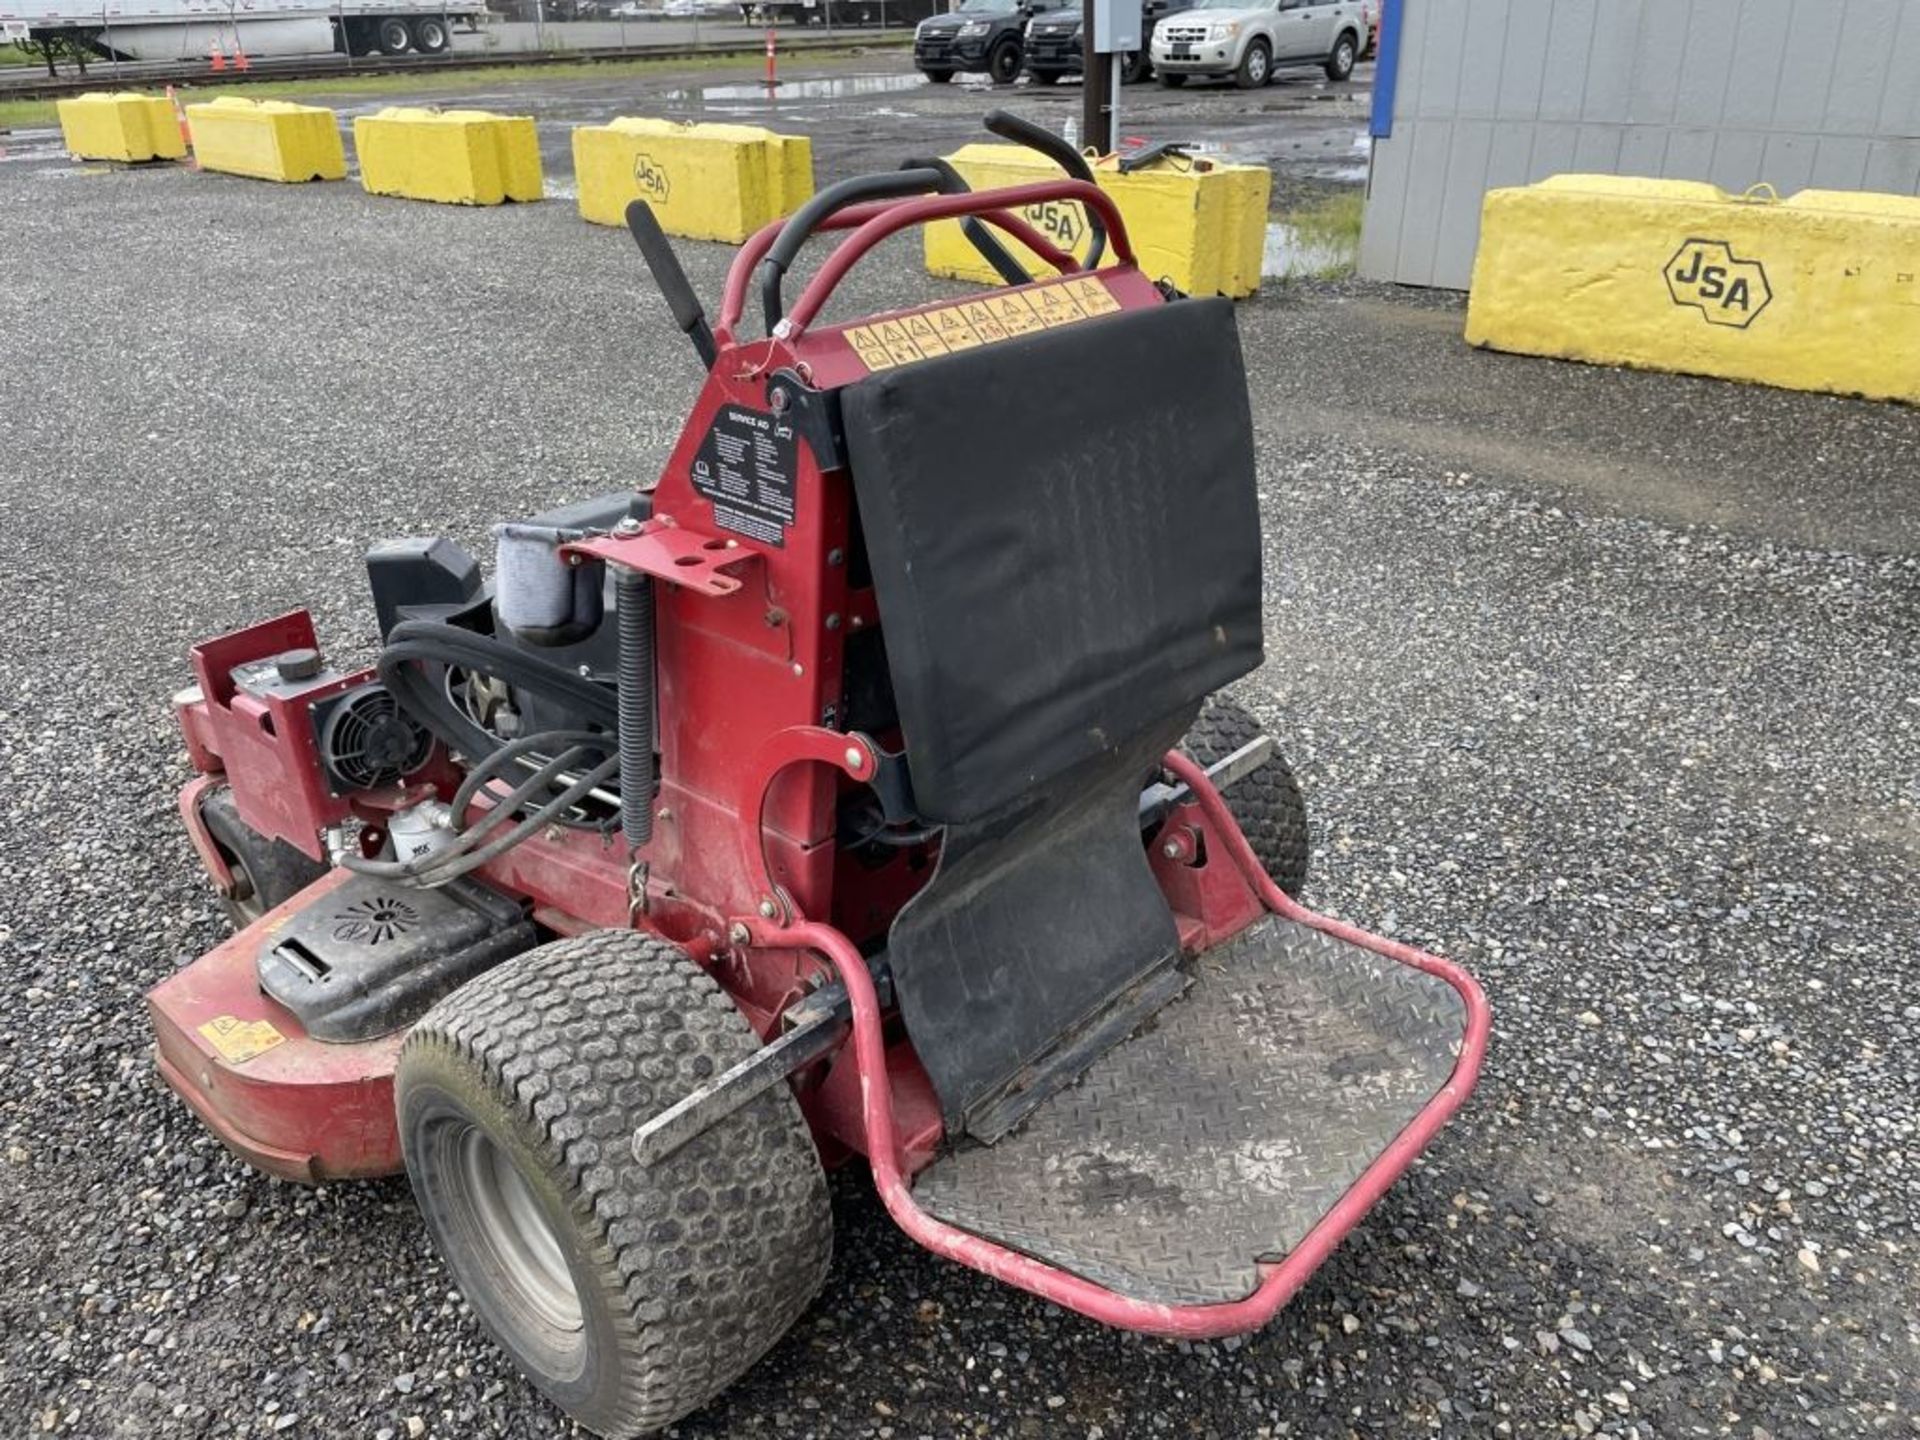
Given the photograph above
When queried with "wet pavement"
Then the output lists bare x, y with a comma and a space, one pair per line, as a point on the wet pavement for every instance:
866, 111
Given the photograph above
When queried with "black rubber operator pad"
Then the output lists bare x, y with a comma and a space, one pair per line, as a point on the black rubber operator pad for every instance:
1221, 1134
1065, 540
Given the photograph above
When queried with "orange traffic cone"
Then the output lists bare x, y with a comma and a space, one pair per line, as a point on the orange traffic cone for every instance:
216, 58
239, 57
186, 133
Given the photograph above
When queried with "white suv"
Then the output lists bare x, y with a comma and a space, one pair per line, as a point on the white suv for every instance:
1248, 42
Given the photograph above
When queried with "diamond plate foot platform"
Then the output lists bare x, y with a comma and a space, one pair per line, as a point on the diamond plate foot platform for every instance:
1219, 1135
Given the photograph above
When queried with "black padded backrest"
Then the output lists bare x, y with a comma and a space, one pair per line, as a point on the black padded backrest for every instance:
1065, 540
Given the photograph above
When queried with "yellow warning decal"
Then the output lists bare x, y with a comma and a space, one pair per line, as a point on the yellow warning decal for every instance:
238, 1040
884, 344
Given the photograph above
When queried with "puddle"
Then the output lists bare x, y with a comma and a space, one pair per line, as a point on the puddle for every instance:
32, 145
839, 87
1288, 256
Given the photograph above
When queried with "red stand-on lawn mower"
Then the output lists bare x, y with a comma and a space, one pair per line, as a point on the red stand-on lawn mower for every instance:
856, 790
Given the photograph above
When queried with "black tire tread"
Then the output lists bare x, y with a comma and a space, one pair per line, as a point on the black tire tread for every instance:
276, 871
586, 1038
1267, 803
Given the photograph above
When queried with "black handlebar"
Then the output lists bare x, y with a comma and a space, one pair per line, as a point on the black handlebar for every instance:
1010, 270
1034, 137
890, 185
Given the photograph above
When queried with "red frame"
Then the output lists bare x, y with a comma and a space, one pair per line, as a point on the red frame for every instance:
742, 868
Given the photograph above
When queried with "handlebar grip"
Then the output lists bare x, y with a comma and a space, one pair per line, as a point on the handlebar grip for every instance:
890, 185
664, 266
1034, 137
1010, 270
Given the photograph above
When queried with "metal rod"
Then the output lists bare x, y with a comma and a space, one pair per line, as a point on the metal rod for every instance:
818, 1022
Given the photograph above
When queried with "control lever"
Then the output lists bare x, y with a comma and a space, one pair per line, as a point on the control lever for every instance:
672, 280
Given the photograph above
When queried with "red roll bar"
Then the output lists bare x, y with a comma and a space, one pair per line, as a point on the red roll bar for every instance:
986, 204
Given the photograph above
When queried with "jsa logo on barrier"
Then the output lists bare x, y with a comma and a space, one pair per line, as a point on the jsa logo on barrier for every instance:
1708, 276
650, 177
1060, 221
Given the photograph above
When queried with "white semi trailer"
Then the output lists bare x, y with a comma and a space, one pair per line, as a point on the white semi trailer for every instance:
186, 30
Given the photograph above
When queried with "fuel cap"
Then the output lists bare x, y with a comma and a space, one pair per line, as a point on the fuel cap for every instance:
300, 664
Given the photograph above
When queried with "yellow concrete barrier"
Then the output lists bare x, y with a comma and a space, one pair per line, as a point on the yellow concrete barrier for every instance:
1819, 292
457, 157
120, 126
267, 139
1201, 226
706, 182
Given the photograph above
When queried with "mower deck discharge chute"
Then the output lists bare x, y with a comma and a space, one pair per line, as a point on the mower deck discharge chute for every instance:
857, 790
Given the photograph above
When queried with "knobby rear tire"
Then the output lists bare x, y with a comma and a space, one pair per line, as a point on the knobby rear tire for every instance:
630, 1295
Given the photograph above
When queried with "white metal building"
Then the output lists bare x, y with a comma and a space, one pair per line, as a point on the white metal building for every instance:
1476, 94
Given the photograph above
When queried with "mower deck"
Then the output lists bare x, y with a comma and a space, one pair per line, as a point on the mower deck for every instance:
1217, 1138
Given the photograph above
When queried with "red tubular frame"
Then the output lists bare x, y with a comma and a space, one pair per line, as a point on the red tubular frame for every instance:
988, 205
900, 215
1192, 1322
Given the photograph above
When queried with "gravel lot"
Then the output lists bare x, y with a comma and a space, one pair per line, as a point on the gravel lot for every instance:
1605, 684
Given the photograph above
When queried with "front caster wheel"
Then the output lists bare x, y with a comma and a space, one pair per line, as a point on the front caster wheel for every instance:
629, 1294
265, 872
1267, 803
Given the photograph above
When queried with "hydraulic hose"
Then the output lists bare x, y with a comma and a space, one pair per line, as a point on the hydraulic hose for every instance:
422, 870
433, 642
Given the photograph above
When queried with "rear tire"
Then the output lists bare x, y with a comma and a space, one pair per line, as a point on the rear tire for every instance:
266, 872
629, 1294
1267, 803
1346, 50
1135, 66
1003, 62
1255, 68
430, 36
394, 38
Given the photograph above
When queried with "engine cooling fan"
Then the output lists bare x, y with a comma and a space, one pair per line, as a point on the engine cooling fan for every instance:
367, 742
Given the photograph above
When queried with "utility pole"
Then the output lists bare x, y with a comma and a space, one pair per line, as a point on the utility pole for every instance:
1096, 86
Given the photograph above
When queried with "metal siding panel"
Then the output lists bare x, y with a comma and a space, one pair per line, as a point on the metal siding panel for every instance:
1610, 61
1689, 154
1787, 162
1807, 79
1868, 28
1386, 202
1523, 66
1893, 167
1414, 31
1553, 147
1510, 157
1900, 110
1840, 163
1458, 232
1707, 62
1596, 150
1483, 53
1426, 188
1759, 58
1439, 58
1658, 68
1569, 41
1739, 160
1643, 150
